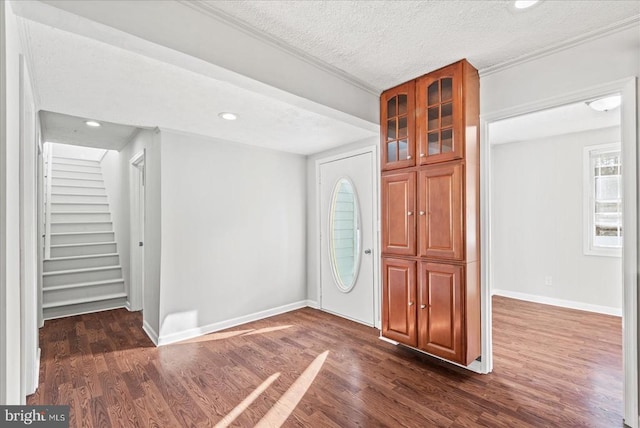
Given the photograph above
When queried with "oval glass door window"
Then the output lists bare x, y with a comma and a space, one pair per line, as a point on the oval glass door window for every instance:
344, 235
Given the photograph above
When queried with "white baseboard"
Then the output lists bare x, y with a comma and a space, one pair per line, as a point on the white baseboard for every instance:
313, 304
221, 325
607, 310
150, 332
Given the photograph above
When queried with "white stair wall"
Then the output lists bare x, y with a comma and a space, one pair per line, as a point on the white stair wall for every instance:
82, 271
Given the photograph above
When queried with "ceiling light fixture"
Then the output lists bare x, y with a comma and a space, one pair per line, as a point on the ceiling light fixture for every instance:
228, 116
524, 4
606, 103
92, 123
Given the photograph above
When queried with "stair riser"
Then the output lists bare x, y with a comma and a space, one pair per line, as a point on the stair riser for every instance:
83, 250
82, 227
76, 174
57, 265
73, 217
75, 161
72, 182
79, 190
77, 168
67, 311
73, 278
78, 239
79, 198
93, 291
57, 207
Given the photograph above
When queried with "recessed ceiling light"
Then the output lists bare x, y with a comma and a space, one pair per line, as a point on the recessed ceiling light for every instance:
524, 4
92, 123
606, 103
228, 116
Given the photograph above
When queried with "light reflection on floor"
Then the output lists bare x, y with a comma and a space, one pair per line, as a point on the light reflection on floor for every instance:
280, 411
227, 334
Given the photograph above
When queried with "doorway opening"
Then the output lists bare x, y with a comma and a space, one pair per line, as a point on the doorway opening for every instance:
556, 226
628, 301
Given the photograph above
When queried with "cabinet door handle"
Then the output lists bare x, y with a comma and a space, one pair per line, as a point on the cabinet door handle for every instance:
410, 303
421, 212
410, 213
422, 155
408, 156
423, 306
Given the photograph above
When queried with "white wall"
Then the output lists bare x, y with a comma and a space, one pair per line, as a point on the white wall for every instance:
10, 326
584, 66
313, 225
116, 169
233, 233
537, 223
80, 152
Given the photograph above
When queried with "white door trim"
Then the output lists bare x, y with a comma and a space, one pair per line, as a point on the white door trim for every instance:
627, 87
373, 149
136, 230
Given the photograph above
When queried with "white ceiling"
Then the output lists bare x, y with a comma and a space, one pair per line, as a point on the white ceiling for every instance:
561, 120
385, 43
65, 129
83, 77
152, 81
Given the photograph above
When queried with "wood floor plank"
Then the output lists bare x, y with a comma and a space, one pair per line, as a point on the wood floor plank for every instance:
553, 367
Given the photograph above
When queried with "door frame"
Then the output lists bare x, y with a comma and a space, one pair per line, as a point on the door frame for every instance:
136, 220
627, 88
375, 161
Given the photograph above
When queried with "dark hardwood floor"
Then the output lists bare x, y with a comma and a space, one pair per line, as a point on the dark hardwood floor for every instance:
552, 367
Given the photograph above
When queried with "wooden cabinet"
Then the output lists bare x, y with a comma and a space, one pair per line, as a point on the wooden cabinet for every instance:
397, 127
440, 310
398, 213
440, 216
398, 300
430, 213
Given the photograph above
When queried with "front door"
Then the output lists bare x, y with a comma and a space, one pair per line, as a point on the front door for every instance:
347, 237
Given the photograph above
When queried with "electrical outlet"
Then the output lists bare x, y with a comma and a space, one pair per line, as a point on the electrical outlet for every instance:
548, 281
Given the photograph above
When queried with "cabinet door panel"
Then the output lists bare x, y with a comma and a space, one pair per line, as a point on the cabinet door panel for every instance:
441, 312
398, 300
398, 216
397, 127
440, 216
439, 115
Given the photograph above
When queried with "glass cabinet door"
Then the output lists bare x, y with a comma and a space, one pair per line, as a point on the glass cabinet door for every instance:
398, 127
439, 116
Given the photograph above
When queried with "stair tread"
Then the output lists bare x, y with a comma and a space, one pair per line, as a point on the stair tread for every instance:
80, 212
82, 284
75, 178
79, 203
75, 185
71, 271
84, 300
81, 222
76, 159
84, 256
76, 194
79, 244
92, 232
97, 165
70, 170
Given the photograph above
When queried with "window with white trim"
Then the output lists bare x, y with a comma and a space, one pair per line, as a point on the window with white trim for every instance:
603, 200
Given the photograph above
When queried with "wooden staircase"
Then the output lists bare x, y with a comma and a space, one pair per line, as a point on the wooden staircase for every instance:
82, 272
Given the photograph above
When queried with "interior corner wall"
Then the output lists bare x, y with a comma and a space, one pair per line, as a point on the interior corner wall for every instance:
10, 360
313, 239
116, 170
233, 233
537, 223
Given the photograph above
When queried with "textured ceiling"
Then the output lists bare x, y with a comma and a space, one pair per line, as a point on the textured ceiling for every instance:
80, 76
65, 129
385, 43
380, 43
